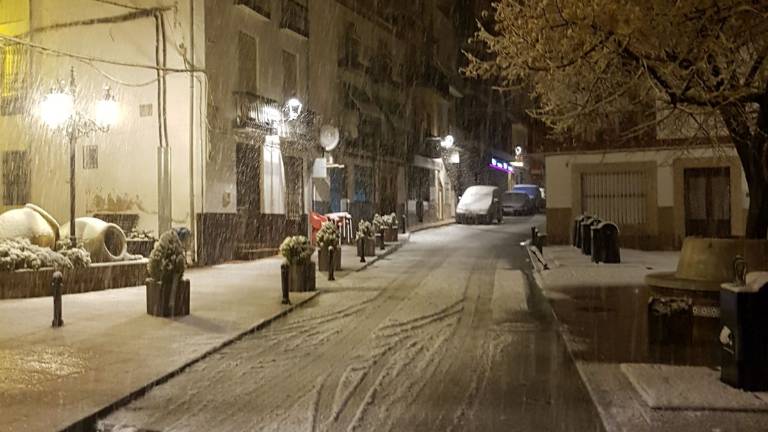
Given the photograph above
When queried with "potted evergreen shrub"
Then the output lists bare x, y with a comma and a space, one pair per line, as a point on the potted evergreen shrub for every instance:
297, 252
327, 237
366, 234
167, 291
389, 226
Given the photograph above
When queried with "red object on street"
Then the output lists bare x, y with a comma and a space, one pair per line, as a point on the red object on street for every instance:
316, 220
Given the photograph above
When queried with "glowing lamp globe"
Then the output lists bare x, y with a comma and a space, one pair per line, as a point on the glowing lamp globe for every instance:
107, 112
57, 108
447, 142
294, 108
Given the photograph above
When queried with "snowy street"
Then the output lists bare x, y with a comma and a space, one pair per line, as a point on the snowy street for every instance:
445, 334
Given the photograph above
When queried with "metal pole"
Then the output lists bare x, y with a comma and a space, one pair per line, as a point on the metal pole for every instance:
284, 281
72, 196
56, 284
72, 152
331, 263
361, 249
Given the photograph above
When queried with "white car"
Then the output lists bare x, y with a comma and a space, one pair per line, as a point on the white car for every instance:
480, 204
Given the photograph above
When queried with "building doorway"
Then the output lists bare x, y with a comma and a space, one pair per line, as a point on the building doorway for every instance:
707, 202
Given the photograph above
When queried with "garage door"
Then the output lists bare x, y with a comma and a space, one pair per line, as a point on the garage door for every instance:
619, 196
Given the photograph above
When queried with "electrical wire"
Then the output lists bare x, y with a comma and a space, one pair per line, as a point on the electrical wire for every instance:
63, 53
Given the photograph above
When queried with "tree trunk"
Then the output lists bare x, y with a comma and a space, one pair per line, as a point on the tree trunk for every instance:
751, 148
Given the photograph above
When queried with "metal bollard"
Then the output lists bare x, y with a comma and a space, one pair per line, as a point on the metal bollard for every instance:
284, 281
380, 237
405, 221
56, 286
534, 236
331, 263
361, 249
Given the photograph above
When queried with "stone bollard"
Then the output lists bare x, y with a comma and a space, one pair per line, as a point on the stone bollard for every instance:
284, 282
361, 249
56, 286
331, 263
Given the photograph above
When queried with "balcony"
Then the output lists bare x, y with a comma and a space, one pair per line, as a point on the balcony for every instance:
255, 112
261, 7
295, 17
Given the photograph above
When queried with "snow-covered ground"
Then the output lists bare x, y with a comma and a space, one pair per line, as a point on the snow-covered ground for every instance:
443, 335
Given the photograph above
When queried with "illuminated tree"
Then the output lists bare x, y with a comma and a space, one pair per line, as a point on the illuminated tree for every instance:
588, 62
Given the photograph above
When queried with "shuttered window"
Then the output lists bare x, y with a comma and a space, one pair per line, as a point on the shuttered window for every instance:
620, 196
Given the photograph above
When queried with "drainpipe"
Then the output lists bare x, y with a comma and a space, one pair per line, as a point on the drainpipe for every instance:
192, 216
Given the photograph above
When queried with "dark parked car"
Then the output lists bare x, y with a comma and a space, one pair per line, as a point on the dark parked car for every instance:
533, 192
517, 203
480, 204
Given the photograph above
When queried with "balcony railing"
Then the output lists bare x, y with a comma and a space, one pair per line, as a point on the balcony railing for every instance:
295, 17
261, 7
255, 112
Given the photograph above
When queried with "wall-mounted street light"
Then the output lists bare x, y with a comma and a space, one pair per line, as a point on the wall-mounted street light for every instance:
293, 106
58, 111
447, 142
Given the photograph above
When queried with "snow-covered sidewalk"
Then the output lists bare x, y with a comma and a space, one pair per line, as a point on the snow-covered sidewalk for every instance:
602, 312
110, 349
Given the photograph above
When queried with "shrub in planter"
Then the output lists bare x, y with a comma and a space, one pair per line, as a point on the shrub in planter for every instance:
167, 291
328, 236
140, 242
297, 252
19, 254
366, 234
389, 227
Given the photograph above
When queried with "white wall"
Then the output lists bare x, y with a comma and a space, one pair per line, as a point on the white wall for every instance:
126, 177
558, 168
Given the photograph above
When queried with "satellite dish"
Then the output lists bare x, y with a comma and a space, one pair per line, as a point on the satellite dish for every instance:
329, 137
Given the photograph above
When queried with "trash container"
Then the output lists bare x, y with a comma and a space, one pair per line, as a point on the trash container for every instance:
607, 248
576, 233
596, 242
744, 333
316, 220
586, 234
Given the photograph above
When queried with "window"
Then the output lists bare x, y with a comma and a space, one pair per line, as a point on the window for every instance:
363, 184
259, 6
350, 49
248, 63
15, 178
13, 70
294, 186
90, 157
619, 196
290, 75
248, 171
295, 17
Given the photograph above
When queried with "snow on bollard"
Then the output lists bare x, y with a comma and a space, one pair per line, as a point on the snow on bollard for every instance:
56, 286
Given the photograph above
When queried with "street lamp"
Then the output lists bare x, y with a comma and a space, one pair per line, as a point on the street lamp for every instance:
447, 142
294, 107
58, 111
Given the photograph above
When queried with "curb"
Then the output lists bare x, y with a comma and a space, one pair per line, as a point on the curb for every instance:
88, 423
558, 325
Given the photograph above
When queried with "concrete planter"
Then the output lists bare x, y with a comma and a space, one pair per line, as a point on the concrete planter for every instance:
369, 246
705, 263
97, 277
301, 277
140, 247
168, 299
322, 259
390, 235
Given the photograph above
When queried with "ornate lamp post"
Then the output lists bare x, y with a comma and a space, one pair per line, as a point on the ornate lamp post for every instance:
58, 111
